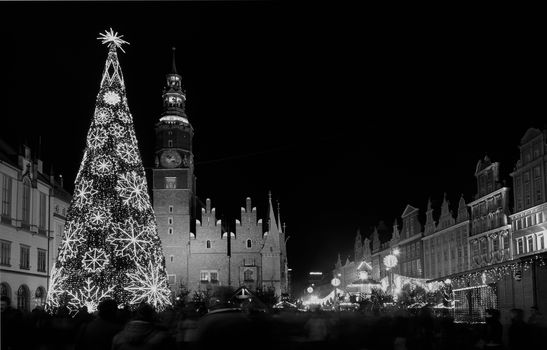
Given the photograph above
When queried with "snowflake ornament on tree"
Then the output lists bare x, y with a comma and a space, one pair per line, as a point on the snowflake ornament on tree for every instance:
148, 285
132, 188
110, 247
132, 240
127, 153
72, 240
97, 138
103, 117
117, 131
83, 195
95, 260
103, 165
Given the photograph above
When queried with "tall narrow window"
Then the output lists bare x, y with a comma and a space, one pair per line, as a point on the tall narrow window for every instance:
26, 201
170, 208
43, 211
6, 195
530, 243
41, 260
25, 257
520, 246
249, 243
169, 143
172, 258
5, 253
170, 221
495, 244
208, 244
540, 241
170, 230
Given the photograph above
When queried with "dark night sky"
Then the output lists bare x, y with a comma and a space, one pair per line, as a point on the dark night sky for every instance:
347, 114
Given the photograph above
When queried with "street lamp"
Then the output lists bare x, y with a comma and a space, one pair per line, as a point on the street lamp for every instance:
335, 282
390, 261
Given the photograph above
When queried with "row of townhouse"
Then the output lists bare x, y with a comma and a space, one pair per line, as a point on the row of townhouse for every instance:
491, 253
32, 216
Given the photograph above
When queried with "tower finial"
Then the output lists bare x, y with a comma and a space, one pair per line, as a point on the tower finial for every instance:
174, 69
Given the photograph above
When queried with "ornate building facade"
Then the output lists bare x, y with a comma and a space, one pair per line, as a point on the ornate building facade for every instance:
32, 216
492, 253
200, 252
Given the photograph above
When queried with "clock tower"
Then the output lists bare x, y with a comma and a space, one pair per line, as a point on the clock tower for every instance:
173, 179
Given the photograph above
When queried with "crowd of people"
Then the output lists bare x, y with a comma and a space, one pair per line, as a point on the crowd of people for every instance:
192, 328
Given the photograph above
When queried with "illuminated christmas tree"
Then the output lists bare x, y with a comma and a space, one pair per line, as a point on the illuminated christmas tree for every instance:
110, 247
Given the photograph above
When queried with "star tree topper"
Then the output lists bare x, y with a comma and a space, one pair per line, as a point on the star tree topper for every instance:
112, 39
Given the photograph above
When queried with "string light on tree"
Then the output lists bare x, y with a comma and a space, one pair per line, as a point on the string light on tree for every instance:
110, 246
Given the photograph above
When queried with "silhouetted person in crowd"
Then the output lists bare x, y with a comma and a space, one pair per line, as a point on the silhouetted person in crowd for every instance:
494, 330
98, 333
11, 323
83, 316
537, 327
317, 330
421, 334
141, 333
518, 331
63, 329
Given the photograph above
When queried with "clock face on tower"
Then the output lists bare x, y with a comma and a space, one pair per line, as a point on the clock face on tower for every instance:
170, 159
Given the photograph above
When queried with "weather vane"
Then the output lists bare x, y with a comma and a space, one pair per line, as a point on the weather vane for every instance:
112, 39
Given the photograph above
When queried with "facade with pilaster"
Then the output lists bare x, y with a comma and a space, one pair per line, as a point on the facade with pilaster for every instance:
32, 216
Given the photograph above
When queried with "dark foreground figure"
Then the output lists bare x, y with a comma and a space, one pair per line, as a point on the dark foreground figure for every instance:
234, 328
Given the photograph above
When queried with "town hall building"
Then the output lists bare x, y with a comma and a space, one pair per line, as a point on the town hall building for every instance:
199, 251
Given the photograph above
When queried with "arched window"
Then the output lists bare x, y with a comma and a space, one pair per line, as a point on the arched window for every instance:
40, 296
23, 298
5, 290
249, 243
208, 244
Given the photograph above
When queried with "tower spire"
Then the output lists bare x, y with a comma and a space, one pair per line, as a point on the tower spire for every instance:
174, 68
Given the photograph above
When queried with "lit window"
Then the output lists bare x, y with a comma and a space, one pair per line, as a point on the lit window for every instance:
208, 244
249, 243
530, 243
496, 243
520, 246
170, 182
204, 276
540, 241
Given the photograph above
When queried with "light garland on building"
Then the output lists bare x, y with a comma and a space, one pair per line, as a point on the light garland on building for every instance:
495, 274
110, 246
